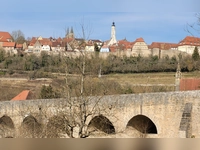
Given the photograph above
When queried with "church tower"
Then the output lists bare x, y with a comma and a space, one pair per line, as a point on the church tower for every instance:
70, 34
113, 35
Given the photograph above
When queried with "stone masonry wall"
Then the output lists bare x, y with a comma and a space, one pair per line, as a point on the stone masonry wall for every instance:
164, 109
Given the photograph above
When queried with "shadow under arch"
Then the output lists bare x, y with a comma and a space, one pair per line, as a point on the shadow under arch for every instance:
101, 123
57, 126
143, 124
7, 128
30, 127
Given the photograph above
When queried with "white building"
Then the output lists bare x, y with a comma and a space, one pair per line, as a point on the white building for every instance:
188, 44
89, 47
140, 47
113, 35
45, 48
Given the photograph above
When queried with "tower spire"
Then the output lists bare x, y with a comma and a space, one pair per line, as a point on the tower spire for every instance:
113, 23
113, 35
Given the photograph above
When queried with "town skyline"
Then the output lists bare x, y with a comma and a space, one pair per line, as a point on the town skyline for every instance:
152, 27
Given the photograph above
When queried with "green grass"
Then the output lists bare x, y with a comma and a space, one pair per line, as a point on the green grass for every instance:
2, 73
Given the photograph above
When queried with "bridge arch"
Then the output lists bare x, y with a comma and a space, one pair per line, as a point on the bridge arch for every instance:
30, 127
143, 124
7, 128
101, 123
57, 125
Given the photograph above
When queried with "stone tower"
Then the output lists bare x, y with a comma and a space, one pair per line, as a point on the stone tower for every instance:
178, 77
113, 35
70, 34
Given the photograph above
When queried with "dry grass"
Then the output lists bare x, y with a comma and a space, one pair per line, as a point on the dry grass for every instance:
138, 83
143, 78
9, 88
149, 82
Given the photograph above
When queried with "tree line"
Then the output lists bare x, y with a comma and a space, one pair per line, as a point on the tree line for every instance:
111, 64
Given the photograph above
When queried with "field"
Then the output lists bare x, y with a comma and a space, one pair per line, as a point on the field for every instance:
10, 86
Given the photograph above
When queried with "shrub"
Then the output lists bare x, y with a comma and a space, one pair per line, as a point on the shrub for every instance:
48, 92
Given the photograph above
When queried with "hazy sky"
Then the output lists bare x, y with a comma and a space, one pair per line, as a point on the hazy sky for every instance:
154, 20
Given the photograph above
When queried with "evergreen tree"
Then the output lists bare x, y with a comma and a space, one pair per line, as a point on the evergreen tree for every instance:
195, 55
48, 92
96, 49
2, 55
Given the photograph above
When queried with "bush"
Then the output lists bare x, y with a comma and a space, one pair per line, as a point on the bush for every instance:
2, 55
48, 92
10, 71
195, 55
39, 74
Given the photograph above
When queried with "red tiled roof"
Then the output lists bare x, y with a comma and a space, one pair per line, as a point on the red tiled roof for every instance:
19, 45
139, 40
189, 84
33, 40
68, 40
190, 40
8, 44
162, 45
124, 44
59, 39
96, 41
21, 96
56, 44
5, 36
113, 48
45, 42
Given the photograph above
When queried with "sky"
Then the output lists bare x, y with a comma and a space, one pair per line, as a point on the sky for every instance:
153, 20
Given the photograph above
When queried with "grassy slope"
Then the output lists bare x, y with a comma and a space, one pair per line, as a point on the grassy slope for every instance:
138, 83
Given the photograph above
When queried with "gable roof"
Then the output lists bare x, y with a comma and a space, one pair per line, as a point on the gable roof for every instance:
163, 46
19, 45
33, 41
8, 44
124, 44
190, 40
96, 41
5, 37
45, 41
59, 39
68, 40
60, 44
42, 41
21, 96
113, 48
139, 40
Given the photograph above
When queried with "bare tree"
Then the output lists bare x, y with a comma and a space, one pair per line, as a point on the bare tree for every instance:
72, 115
82, 106
194, 27
18, 36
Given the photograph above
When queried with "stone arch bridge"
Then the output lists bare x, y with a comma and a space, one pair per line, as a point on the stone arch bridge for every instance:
171, 114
